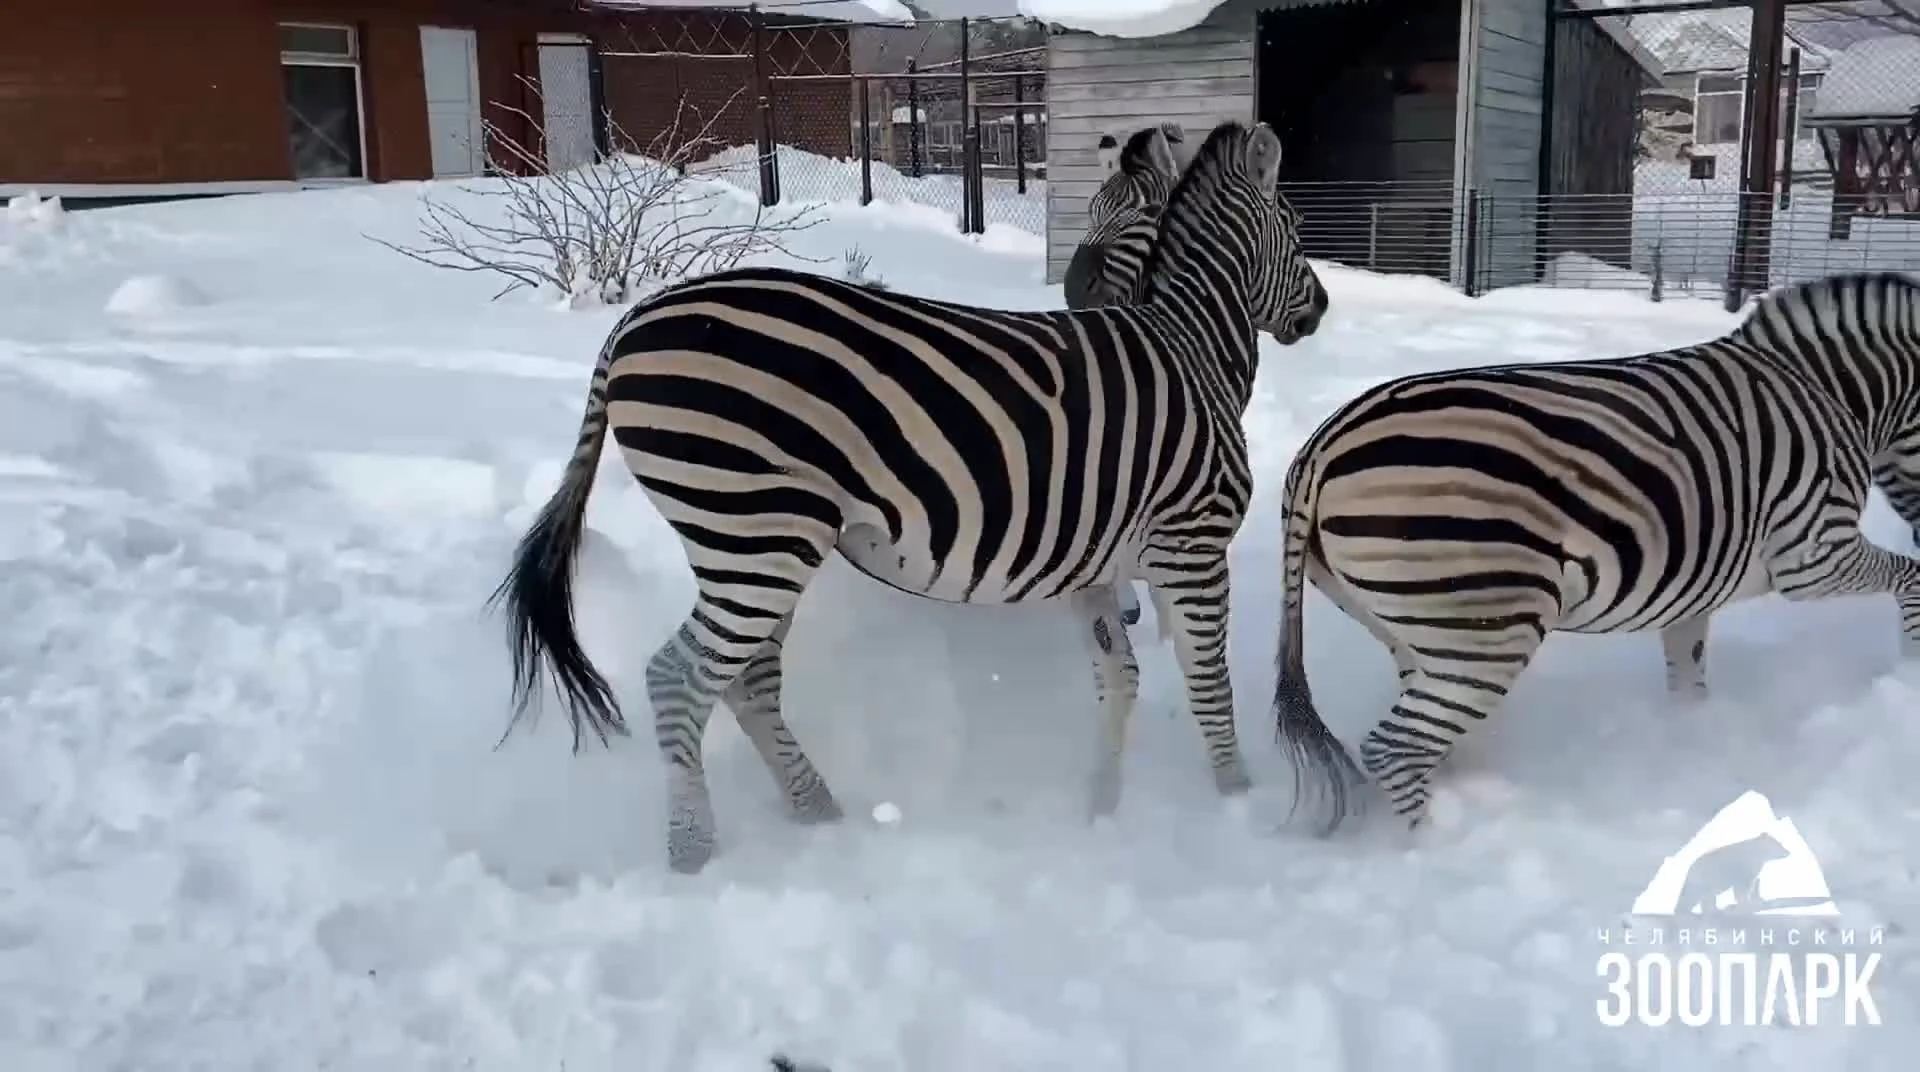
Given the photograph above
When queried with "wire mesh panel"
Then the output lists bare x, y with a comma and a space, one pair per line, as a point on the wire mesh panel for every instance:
944, 113
1396, 227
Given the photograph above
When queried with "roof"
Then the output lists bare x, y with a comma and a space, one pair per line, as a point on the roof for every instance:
1618, 29
1874, 79
1140, 18
1712, 40
834, 10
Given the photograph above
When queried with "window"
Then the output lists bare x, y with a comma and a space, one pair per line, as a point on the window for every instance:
1719, 106
320, 77
1719, 103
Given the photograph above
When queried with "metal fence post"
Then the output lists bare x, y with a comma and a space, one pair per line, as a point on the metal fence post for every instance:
969, 138
1470, 256
866, 141
763, 89
913, 119
1019, 134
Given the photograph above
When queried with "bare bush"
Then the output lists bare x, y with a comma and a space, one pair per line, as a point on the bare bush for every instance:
606, 232
857, 268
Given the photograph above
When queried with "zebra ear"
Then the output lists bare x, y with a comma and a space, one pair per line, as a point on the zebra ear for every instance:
1108, 154
1174, 131
1160, 155
1263, 156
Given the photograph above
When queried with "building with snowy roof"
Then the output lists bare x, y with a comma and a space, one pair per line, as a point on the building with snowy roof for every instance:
1867, 120
1390, 112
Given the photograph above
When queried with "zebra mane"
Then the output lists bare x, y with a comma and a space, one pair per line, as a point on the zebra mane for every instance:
1850, 301
1224, 150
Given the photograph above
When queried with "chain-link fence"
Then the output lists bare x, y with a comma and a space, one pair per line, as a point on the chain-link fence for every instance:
948, 114
1842, 194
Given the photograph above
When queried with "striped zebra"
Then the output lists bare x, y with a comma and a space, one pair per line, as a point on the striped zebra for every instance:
958, 453
1461, 516
1140, 175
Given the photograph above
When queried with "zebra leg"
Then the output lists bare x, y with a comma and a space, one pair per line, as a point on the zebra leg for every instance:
1116, 685
685, 679
1461, 678
1198, 609
754, 698
1685, 645
1847, 565
1342, 596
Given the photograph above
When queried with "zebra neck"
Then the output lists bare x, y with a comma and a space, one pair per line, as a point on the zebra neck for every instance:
1872, 378
1217, 342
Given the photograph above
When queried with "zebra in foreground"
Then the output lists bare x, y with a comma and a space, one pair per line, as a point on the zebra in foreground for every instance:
1462, 516
1140, 176
954, 452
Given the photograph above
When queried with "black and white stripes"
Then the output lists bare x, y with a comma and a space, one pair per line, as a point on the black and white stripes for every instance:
955, 452
1462, 516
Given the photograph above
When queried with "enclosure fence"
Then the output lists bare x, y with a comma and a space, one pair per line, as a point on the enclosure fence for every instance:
951, 115
948, 114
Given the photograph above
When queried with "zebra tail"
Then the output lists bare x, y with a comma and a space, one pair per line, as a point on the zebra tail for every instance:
538, 589
1317, 755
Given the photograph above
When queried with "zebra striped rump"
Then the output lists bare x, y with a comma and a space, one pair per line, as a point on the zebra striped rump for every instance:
965, 454
1462, 516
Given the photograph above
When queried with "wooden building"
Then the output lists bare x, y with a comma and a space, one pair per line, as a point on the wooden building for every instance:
1390, 112
1868, 121
125, 100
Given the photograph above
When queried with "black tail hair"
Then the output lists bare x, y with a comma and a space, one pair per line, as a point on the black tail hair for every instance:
538, 589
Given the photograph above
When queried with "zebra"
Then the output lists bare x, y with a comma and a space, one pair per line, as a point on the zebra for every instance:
1461, 516
1140, 176
958, 453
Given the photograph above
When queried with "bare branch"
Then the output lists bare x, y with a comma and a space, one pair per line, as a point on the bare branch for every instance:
604, 232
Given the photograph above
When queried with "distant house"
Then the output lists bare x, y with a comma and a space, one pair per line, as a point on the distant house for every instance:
1698, 111
132, 99
1867, 123
1390, 111
113, 100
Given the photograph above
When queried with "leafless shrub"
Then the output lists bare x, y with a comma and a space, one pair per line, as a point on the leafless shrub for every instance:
601, 233
855, 269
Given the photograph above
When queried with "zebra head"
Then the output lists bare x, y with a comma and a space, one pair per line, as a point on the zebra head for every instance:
1226, 216
1140, 175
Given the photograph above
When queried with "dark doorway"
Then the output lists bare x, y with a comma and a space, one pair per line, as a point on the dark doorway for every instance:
1363, 96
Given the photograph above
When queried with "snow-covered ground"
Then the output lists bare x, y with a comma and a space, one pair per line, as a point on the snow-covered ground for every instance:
259, 473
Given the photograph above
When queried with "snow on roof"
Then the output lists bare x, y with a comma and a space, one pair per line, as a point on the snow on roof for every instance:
1139, 18
836, 10
1713, 40
1877, 78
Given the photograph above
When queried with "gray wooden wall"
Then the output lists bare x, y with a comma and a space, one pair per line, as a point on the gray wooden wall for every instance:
1507, 40
1116, 85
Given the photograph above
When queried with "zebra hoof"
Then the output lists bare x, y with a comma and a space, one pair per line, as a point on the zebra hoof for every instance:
1232, 781
688, 856
814, 808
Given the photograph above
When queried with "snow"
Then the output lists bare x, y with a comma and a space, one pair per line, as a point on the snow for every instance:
252, 814
1123, 18
1878, 77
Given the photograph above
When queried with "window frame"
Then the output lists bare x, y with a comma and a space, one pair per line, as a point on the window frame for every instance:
1809, 80
351, 60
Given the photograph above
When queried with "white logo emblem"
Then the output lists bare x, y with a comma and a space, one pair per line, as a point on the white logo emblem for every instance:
1750, 935
1745, 861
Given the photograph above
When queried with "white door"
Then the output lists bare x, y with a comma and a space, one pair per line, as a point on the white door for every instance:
566, 97
450, 60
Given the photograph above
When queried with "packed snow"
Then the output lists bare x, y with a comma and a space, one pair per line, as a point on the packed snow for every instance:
259, 474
